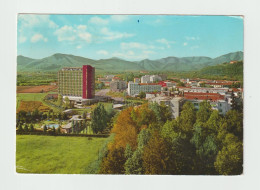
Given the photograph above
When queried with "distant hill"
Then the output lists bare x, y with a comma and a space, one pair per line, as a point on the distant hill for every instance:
175, 64
231, 71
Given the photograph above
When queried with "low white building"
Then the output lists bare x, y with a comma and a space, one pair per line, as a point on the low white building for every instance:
135, 88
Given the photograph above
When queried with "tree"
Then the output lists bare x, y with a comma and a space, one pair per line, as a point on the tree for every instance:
187, 118
84, 116
214, 122
156, 156
180, 84
114, 162
44, 128
182, 151
99, 118
143, 116
162, 112
134, 162
67, 102
31, 128
128, 151
204, 112
142, 95
53, 129
125, 130
59, 116
26, 129
229, 160
59, 130
64, 116
234, 105
206, 150
101, 85
20, 128
234, 121
60, 100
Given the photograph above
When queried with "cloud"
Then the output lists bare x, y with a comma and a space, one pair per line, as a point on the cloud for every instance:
79, 47
82, 27
110, 35
119, 18
191, 38
38, 37
185, 43
31, 20
65, 33
165, 42
131, 55
85, 36
102, 52
135, 45
69, 33
99, 21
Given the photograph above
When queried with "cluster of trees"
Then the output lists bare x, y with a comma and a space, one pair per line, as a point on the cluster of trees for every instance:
35, 78
36, 116
78, 126
148, 141
25, 128
101, 118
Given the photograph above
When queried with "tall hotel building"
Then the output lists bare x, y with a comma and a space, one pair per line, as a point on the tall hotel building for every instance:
76, 82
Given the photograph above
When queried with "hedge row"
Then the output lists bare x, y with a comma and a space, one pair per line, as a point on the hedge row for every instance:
61, 134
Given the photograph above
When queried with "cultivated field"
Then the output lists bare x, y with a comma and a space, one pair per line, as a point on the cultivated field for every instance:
36, 89
30, 106
58, 155
20, 97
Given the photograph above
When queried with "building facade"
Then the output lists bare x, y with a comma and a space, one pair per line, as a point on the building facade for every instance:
77, 82
117, 86
150, 79
135, 88
174, 103
217, 101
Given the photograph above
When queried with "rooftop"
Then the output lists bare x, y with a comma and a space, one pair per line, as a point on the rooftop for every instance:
203, 96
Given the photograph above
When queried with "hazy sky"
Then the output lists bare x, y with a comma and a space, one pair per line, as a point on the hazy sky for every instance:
131, 37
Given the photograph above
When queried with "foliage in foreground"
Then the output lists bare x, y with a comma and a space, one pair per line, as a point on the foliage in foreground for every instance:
148, 141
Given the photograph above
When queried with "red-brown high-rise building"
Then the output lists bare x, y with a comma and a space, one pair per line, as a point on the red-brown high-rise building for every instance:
77, 82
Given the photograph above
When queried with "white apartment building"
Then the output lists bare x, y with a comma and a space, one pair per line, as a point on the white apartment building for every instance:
221, 105
150, 78
135, 88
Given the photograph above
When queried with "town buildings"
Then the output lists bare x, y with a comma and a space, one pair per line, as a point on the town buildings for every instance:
118, 85
150, 78
135, 88
77, 83
217, 101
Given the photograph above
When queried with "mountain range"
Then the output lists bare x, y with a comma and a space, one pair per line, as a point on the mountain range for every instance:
57, 61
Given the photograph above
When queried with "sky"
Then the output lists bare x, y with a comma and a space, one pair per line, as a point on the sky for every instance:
129, 37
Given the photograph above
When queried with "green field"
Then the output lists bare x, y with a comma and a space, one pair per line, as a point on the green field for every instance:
58, 155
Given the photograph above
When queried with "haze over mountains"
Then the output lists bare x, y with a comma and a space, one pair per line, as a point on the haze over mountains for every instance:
58, 61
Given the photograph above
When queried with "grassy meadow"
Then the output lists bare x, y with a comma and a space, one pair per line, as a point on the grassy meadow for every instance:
59, 155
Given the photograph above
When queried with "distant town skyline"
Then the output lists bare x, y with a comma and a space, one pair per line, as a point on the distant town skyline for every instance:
130, 37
